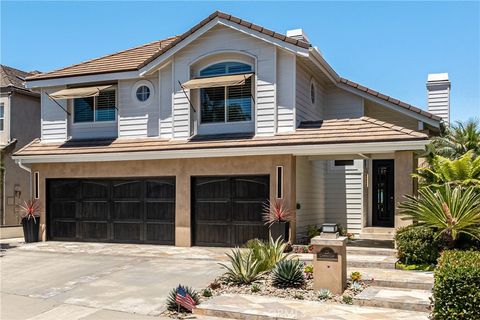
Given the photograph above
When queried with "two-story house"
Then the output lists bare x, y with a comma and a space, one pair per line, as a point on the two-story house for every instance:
182, 140
19, 125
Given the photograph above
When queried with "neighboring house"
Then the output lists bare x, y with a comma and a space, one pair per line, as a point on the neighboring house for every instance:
180, 141
19, 124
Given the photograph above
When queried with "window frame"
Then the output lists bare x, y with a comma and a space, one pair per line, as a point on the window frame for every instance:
225, 109
139, 84
2, 119
313, 93
95, 102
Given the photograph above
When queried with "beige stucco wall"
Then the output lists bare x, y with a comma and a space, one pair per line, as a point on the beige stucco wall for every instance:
405, 165
183, 169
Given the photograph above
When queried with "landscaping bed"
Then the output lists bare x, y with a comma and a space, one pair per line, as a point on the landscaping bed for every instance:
264, 287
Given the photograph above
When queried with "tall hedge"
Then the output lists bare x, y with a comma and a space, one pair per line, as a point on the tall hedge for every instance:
416, 244
456, 291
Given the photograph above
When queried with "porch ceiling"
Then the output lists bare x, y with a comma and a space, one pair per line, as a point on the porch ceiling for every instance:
337, 136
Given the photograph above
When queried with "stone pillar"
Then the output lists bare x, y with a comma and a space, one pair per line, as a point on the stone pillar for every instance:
330, 263
405, 165
183, 236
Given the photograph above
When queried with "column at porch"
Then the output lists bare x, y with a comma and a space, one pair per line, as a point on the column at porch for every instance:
405, 165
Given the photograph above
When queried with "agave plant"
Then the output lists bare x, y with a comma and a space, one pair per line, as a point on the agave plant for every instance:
449, 211
30, 209
268, 254
464, 171
325, 294
288, 273
276, 211
243, 268
172, 304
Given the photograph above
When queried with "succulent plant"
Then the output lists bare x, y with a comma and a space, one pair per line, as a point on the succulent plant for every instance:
288, 273
207, 292
325, 294
356, 276
347, 299
355, 286
255, 288
172, 305
244, 268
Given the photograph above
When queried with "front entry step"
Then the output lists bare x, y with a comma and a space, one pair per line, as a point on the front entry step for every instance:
395, 298
371, 251
371, 261
395, 278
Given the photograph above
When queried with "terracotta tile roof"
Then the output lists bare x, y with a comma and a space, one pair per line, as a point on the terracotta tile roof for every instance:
127, 60
136, 58
221, 15
389, 99
11, 77
335, 131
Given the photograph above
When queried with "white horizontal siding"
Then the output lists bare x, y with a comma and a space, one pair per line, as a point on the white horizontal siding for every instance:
136, 120
439, 102
340, 104
54, 119
384, 114
223, 39
305, 110
344, 195
166, 90
329, 195
310, 193
285, 91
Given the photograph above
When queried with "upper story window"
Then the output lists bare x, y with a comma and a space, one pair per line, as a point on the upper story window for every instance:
95, 109
226, 104
312, 93
142, 92
2, 117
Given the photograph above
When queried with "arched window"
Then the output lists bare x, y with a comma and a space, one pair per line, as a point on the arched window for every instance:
225, 68
226, 104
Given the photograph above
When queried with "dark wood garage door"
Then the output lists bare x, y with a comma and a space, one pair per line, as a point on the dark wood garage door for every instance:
227, 211
112, 210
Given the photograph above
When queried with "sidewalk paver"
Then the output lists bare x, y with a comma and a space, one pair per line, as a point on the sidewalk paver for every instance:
249, 307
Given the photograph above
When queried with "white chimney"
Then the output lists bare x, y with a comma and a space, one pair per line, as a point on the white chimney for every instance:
438, 89
297, 34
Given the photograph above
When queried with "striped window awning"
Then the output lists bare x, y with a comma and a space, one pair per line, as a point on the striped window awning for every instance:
78, 92
220, 81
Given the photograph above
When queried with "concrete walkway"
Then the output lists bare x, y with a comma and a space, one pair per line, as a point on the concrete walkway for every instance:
249, 307
61, 280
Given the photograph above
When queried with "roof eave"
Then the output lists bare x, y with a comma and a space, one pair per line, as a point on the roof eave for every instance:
417, 144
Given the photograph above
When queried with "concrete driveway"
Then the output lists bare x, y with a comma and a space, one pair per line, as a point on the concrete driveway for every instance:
65, 280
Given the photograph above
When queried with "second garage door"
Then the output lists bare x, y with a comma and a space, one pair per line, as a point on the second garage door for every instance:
131, 210
227, 210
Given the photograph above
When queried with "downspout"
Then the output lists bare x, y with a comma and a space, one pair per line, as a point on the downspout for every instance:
29, 170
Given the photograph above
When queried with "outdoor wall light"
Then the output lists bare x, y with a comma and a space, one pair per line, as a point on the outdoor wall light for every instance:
329, 228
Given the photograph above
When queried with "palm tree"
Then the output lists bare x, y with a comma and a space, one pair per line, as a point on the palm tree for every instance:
449, 211
458, 139
464, 171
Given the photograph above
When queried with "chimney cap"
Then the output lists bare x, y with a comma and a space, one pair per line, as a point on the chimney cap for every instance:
297, 34
437, 77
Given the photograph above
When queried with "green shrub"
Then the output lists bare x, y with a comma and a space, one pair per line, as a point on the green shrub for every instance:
347, 299
243, 268
417, 245
312, 231
172, 304
456, 291
268, 254
207, 292
288, 273
255, 288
